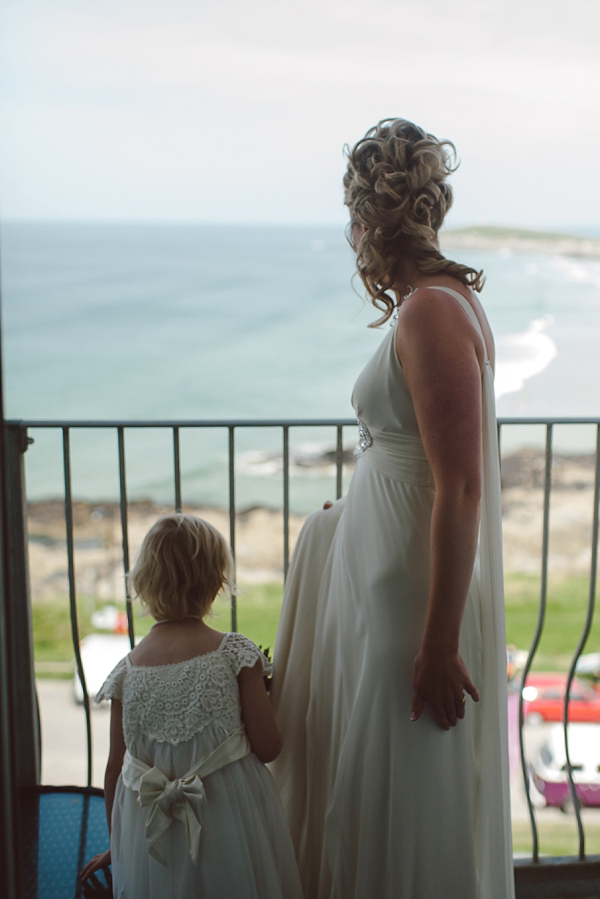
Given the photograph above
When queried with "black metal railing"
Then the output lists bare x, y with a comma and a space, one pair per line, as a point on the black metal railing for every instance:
17, 444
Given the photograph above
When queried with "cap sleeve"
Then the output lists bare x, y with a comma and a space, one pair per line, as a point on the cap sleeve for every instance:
243, 653
112, 688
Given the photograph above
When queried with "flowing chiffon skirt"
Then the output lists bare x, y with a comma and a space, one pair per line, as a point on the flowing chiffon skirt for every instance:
378, 805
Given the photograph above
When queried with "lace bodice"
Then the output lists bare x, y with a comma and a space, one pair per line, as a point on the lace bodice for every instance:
172, 703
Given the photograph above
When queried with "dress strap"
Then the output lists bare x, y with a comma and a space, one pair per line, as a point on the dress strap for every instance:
468, 309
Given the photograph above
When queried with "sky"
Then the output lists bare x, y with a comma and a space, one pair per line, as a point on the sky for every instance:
238, 110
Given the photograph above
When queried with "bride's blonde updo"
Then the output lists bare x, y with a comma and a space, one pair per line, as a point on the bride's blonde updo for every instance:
395, 185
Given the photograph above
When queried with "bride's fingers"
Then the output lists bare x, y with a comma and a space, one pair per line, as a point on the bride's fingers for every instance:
471, 689
418, 704
451, 713
441, 719
441, 712
328, 504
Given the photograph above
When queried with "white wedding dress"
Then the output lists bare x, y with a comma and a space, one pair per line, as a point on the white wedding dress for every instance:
227, 838
379, 806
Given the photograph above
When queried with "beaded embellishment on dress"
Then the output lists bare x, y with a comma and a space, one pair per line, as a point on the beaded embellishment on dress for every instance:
364, 439
405, 296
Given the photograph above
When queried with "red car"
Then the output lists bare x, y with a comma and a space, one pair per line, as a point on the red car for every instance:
544, 696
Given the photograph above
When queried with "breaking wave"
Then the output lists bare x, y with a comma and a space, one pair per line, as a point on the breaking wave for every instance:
521, 356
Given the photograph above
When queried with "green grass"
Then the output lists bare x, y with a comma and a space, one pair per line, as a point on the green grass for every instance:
502, 232
565, 617
558, 836
258, 608
52, 640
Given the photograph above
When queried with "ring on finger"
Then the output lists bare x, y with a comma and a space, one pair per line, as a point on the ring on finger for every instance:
461, 701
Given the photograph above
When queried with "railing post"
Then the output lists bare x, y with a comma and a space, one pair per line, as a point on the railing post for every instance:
339, 462
23, 712
286, 501
538, 634
26, 731
232, 515
9, 887
73, 597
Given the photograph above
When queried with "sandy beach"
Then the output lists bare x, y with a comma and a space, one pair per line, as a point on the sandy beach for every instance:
259, 531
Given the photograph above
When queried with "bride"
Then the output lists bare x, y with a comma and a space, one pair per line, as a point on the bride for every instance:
390, 664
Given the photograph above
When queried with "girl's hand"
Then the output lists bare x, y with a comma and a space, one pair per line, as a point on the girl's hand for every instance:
328, 504
441, 680
95, 888
98, 861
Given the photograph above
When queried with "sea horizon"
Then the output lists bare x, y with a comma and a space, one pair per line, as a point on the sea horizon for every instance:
198, 321
574, 229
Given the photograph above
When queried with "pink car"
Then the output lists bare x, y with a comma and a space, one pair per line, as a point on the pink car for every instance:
549, 762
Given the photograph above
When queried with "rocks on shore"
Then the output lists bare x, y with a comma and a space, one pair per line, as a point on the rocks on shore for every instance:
259, 531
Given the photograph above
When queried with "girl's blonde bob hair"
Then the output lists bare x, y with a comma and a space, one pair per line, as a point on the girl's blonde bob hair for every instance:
183, 564
395, 185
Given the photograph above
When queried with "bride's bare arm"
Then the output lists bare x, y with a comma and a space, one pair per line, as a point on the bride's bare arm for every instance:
442, 355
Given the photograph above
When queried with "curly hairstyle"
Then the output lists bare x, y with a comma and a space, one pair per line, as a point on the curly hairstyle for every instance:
183, 564
395, 185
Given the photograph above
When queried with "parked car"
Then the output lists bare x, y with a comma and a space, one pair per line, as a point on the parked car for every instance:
549, 763
99, 655
588, 668
544, 696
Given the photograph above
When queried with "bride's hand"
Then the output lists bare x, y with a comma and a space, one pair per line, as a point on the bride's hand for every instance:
441, 680
328, 504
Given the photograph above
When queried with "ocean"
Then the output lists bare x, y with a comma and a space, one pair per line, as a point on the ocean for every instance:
143, 321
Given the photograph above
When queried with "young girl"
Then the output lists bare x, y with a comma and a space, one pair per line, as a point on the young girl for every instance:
192, 810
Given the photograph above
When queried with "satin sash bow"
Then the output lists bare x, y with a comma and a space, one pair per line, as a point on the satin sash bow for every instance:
181, 798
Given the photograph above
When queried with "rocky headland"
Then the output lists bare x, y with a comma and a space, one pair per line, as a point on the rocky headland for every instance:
519, 240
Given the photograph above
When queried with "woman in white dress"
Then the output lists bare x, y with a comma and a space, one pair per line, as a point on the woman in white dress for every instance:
193, 812
390, 664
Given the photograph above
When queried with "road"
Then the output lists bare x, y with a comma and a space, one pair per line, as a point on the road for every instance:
64, 747
64, 743
64, 740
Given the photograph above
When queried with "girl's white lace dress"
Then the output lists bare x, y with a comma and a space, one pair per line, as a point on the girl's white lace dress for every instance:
196, 814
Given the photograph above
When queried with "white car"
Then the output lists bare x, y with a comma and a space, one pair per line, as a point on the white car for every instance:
589, 666
549, 762
99, 655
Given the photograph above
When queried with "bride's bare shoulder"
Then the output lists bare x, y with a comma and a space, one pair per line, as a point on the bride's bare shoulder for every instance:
431, 317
